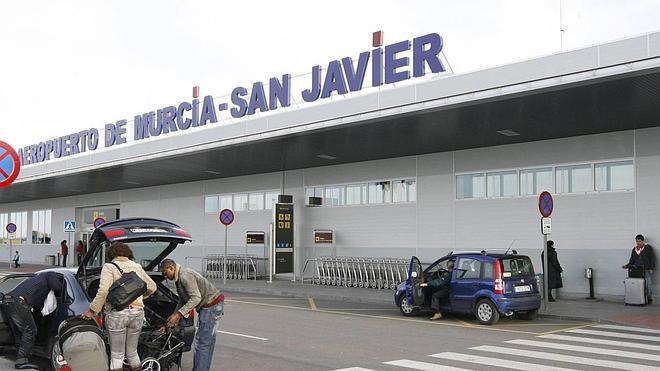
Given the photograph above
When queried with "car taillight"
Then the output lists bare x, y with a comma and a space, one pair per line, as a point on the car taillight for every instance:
181, 232
114, 233
499, 283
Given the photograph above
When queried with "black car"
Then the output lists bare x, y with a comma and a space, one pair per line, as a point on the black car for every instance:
151, 241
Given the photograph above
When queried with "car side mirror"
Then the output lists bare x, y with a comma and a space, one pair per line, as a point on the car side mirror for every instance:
413, 274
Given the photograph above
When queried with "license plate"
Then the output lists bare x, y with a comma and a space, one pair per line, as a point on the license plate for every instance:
525, 288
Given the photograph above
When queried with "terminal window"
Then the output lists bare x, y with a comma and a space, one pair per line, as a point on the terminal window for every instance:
614, 176
41, 226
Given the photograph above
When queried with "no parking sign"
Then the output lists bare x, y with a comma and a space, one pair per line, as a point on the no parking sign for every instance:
10, 165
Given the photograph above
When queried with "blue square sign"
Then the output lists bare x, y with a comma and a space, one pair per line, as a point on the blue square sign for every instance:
69, 226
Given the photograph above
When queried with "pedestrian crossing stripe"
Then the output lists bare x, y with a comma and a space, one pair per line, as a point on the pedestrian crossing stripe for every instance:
616, 335
562, 358
489, 361
579, 339
424, 366
583, 349
628, 328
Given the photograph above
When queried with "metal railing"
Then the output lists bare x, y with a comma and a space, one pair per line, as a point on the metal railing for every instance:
240, 267
377, 273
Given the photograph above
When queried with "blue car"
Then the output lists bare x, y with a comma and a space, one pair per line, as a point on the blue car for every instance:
484, 284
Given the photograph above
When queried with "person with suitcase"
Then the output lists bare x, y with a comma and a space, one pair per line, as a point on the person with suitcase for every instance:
641, 264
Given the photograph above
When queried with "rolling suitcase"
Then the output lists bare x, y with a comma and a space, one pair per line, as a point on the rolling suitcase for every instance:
635, 291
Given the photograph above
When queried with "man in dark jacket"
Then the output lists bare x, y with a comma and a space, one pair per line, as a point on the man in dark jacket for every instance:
642, 264
29, 296
554, 270
441, 285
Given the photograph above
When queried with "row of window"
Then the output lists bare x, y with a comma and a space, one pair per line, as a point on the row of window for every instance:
41, 226
383, 192
241, 201
606, 176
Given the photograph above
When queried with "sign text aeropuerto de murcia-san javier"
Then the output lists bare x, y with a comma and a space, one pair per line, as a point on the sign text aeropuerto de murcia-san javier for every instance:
387, 65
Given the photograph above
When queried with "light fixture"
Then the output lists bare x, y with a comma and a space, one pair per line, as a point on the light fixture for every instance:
508, 133
212, 172
326, 157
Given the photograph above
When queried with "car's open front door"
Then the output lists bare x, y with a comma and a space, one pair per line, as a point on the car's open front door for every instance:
414, 291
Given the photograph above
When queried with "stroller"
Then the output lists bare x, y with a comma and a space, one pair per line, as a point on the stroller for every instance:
159, 352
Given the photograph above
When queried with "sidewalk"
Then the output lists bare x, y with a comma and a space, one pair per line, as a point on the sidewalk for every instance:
576, 310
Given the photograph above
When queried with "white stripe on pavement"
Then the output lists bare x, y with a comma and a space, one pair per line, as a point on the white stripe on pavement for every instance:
424, 366
354, 369
615, 335
556, 357
496, 362
579, 339
629, 328
242, 335
578, 348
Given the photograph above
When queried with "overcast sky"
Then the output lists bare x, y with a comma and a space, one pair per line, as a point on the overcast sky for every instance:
68, 66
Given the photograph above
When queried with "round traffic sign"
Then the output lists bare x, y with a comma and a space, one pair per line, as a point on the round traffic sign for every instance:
226, 216
10, 165
98, 222
11, 228
545, 204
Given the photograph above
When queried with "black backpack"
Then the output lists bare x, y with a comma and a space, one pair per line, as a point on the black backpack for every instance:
126, 289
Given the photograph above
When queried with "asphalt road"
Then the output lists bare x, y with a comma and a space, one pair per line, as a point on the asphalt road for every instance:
273, 333
261, 332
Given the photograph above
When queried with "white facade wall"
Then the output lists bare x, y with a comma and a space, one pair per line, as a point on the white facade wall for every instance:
593, 229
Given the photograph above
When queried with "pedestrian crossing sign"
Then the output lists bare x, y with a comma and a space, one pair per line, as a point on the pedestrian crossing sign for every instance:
69, 226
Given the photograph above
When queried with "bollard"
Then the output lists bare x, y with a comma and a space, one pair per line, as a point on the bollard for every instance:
589, 274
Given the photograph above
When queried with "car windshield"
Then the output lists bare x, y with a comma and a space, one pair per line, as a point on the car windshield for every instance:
517, 266
143, 251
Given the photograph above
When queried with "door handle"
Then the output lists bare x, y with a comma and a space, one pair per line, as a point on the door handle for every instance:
475, 285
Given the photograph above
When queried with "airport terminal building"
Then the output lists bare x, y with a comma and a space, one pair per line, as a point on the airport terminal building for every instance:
421, 162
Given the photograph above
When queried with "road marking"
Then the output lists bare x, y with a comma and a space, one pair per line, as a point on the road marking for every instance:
629, 328
556, 357
312, 305
616, 335
354, 369
615, 343
497, 362
242, 335
424, 366
426, 321
578, 348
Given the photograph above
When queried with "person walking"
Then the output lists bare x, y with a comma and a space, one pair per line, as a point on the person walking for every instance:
28, 297
554, 270
124, 326
642, 264
65, 252
80, 251
16, 258
196, 292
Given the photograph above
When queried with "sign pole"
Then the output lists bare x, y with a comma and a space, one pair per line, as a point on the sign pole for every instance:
545, 272
224, 261
271, 241
10, 249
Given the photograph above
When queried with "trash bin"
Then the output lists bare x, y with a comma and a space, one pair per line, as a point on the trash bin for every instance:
50, 259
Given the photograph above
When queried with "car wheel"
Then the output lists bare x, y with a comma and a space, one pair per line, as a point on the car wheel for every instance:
407, 309
486, 312
529, 315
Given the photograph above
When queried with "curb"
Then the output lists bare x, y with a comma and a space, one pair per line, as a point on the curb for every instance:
303, 295
578, 318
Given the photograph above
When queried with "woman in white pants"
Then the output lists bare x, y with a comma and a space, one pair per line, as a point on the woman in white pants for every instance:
124, 326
